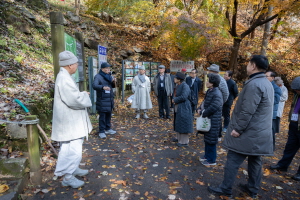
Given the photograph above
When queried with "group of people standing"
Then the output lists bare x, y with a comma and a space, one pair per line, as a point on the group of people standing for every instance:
249, 132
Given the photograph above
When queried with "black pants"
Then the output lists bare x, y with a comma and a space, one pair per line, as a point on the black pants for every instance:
171, 103
104, 121
273, 132
163, 103
234, 160
226, 114
291, 147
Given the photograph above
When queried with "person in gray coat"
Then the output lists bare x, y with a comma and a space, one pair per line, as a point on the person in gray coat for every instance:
249, 133
183, 120
211, 108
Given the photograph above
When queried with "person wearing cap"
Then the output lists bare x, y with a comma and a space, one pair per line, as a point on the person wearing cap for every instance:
277, 93
183, 121
211, 108
163, 89
283, 98
183, 70
168, 72
293, 141
215, 69
103, 84
141, 87
71, 122
195, 84
249, 133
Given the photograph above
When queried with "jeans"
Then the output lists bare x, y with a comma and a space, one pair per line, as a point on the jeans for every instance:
104, 121
291, 147
234, 160
210, 152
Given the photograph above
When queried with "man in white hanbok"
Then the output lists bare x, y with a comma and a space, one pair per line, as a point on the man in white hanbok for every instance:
71, 122
141, 87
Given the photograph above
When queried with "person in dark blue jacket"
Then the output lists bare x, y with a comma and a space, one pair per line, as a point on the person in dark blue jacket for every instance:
277, 94
233, 93
103, 84
195, 85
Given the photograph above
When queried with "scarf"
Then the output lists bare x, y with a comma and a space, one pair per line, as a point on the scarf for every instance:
107, 77
142, 77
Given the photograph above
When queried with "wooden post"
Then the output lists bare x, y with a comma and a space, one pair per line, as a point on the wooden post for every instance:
34, 151
82, 83
57, 38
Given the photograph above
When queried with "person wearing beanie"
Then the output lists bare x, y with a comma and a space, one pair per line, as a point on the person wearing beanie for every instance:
163, 89
168, 72
283, 98
277, 93
215, 69
183, 121
71, 122
211, 108
249, 134
104, 84
141, 87
293, 141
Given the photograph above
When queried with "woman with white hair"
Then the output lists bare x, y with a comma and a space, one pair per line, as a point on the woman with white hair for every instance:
283, 98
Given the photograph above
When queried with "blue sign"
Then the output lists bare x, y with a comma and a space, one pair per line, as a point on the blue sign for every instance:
101, 55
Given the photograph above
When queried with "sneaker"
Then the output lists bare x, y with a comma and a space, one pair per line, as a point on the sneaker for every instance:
80, 172
206, 163
110, 131
244, 188
224, 130
102, 135
72, 182
145, 116
202, 158
137, 116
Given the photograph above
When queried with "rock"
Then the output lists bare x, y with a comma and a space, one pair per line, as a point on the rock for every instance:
13, 168
16, 132
92, 44
96, 35
28, 14
24, 28
65, 22
83, 26
11, 19
138, 50
106, 17
73, 17
124, 54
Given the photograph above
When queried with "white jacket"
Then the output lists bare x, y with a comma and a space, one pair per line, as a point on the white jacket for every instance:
70, 118
283, 98
142, 99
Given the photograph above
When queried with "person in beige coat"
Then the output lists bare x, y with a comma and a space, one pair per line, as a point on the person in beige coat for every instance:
141, 87
71, 123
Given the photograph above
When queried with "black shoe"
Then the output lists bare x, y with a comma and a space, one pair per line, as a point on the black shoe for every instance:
161, 116
296, 177
174, 140
218, 191
277, 167
246, 190
168, 117
182, 145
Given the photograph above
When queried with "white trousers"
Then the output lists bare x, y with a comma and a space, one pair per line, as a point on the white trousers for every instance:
69, 157
182, 138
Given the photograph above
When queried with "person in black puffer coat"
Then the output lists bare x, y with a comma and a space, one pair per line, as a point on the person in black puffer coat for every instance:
103, 84
211, 107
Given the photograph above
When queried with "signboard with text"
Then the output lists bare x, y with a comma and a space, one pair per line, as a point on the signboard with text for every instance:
102, 55
177, 65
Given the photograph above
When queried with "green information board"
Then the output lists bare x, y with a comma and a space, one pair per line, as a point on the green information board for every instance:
70, 45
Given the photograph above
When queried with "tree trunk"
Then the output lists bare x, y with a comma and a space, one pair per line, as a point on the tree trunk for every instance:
265, 40
234, 53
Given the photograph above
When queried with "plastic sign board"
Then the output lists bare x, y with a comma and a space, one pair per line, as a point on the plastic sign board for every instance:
177, 65
70, 45
102, 55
